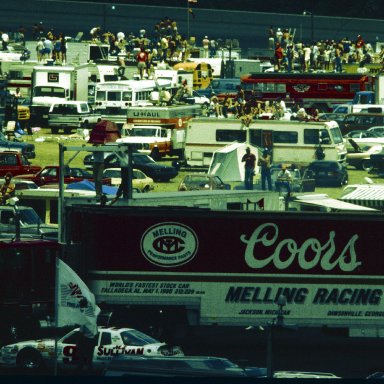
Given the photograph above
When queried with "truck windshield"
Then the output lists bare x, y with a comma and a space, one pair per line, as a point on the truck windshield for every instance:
49, 92
148, 132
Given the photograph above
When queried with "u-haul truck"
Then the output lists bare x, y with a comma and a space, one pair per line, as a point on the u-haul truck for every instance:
220, 268
159, 131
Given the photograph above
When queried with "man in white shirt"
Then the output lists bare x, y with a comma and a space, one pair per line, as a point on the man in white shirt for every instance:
284, 179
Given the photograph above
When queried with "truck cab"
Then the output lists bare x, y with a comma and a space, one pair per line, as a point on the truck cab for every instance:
152, 140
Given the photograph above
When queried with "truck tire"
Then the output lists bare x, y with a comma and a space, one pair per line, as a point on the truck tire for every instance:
55, 131
29, 359
85, 125
67, 131
366, 165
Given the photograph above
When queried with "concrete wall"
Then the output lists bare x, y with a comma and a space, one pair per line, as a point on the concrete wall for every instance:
249, 28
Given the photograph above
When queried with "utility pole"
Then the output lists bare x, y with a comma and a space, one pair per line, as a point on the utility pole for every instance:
277, 322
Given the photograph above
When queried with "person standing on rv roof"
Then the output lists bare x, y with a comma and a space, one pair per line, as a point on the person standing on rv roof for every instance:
249, 160
142, 58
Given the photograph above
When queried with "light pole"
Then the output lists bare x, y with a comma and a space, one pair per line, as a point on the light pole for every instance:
277, 322
312, 24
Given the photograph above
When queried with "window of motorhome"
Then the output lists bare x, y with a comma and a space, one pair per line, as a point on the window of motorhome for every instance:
311, 136
285, 137
230, 135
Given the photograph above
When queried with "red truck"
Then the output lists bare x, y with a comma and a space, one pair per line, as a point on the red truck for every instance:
16, 163
50, 175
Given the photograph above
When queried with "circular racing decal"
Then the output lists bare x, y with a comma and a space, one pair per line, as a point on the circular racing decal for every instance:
169, 244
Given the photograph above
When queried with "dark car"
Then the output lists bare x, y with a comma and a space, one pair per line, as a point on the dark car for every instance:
361, 120
327, 173
170, 366
377, 163
145, 163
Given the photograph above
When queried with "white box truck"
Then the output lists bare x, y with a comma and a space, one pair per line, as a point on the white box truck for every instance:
52, 84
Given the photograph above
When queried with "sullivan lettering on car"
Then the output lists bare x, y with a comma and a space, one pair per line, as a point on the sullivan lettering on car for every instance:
119, 350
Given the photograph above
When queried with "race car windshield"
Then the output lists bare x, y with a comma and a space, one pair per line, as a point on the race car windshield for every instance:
137, 338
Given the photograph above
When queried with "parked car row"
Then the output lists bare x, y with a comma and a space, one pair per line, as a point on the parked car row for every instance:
140, 161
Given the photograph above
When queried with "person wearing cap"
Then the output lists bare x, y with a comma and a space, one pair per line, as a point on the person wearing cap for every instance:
265, 165
284, 179
249, 160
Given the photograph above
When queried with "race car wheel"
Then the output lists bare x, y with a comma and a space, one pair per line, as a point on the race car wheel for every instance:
29, 359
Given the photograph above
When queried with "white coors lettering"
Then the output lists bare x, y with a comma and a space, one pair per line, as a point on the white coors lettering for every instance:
309, 254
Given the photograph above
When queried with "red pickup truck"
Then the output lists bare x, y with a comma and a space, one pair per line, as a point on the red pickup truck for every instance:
50, 175
16, 163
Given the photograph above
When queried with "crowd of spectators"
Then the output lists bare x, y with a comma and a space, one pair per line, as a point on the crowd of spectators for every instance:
325, 55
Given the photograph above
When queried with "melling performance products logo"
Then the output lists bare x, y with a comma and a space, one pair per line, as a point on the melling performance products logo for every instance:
169, 244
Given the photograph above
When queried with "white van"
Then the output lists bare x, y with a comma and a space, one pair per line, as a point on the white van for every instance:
290, 141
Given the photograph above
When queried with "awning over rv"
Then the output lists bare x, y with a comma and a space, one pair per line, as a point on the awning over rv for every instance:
325, 201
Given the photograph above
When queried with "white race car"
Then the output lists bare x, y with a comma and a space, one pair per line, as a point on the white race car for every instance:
110, 342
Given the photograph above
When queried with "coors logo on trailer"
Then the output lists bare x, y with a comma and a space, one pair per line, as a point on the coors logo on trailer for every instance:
169, 244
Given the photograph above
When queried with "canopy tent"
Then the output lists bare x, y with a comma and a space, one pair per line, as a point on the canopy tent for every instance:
226, 162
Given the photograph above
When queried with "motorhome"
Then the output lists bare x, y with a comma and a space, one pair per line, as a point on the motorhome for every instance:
289, 141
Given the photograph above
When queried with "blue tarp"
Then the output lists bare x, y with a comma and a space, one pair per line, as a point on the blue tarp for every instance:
86, 185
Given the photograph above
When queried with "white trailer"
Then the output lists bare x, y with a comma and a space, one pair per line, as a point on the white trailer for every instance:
245, 66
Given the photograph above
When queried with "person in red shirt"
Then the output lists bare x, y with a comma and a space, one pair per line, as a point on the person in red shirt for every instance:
249, 160
279, 54
142, 59
359, 45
